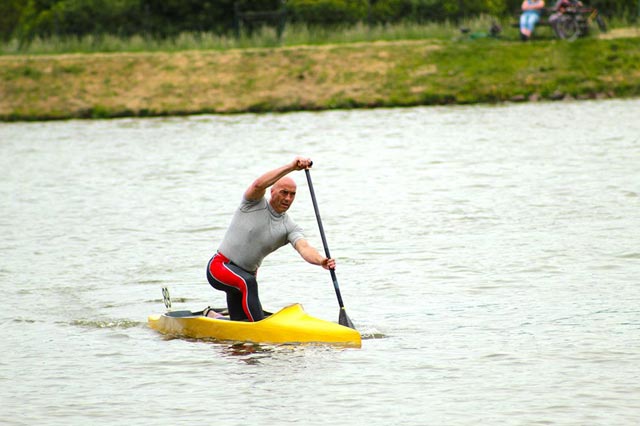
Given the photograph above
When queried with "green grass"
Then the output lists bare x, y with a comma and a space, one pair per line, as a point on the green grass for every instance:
441, 66
294, 35
21, 71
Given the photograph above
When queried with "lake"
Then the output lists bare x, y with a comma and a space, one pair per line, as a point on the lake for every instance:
489, 255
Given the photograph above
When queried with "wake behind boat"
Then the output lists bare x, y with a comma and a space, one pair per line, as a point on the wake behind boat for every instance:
289, 325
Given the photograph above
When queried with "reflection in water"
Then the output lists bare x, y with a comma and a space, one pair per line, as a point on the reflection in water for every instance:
248, 352
253, 354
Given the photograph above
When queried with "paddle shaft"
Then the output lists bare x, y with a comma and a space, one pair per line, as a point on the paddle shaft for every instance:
324, 238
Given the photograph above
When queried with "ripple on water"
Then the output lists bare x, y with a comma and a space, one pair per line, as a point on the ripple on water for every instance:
490, 266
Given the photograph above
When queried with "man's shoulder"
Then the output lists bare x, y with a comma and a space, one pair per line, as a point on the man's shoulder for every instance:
247, 204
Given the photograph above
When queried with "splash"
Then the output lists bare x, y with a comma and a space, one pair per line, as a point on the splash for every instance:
118, 323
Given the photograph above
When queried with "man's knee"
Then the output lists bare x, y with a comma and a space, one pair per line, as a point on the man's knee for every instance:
251, 282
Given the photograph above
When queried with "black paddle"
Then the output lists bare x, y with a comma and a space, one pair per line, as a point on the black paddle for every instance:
343, 318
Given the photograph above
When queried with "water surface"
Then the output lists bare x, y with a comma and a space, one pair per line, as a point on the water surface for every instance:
489, 256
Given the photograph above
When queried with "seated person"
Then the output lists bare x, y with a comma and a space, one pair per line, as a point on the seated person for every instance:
531, 10
559, 9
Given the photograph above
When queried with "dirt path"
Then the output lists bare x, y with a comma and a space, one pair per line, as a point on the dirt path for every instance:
621, 33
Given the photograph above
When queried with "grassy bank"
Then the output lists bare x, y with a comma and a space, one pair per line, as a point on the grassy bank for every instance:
294, 35
378, 74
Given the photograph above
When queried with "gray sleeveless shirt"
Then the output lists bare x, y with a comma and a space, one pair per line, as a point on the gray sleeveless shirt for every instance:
255, 231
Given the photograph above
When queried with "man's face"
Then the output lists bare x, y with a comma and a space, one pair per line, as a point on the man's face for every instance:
282, 195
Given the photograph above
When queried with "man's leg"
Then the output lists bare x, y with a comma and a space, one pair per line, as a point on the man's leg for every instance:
241, 287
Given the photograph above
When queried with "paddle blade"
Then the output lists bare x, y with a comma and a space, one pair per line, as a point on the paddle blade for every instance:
343, 319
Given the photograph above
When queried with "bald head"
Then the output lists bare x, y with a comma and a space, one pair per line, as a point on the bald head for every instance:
283, 192
284, 182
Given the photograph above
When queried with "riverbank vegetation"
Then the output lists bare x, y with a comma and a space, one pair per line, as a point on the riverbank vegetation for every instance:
366, 57
349, 75
24, 22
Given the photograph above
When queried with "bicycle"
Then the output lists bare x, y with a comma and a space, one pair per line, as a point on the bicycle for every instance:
576, 21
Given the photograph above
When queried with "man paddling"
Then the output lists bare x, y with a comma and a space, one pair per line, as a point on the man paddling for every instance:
258, 228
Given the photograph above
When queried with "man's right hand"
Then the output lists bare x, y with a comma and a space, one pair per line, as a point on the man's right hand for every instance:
301, 163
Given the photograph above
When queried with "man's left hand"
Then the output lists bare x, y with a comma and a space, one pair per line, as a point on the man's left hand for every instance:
329, 263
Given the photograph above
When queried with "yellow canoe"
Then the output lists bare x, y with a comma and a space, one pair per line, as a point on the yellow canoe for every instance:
289, 325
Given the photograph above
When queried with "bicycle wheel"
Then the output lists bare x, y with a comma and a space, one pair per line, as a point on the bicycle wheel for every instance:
602, 26
567, 28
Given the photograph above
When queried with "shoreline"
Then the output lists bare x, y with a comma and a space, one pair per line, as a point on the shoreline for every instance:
315, 78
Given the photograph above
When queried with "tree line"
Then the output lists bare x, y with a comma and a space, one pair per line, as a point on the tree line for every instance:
25, 20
